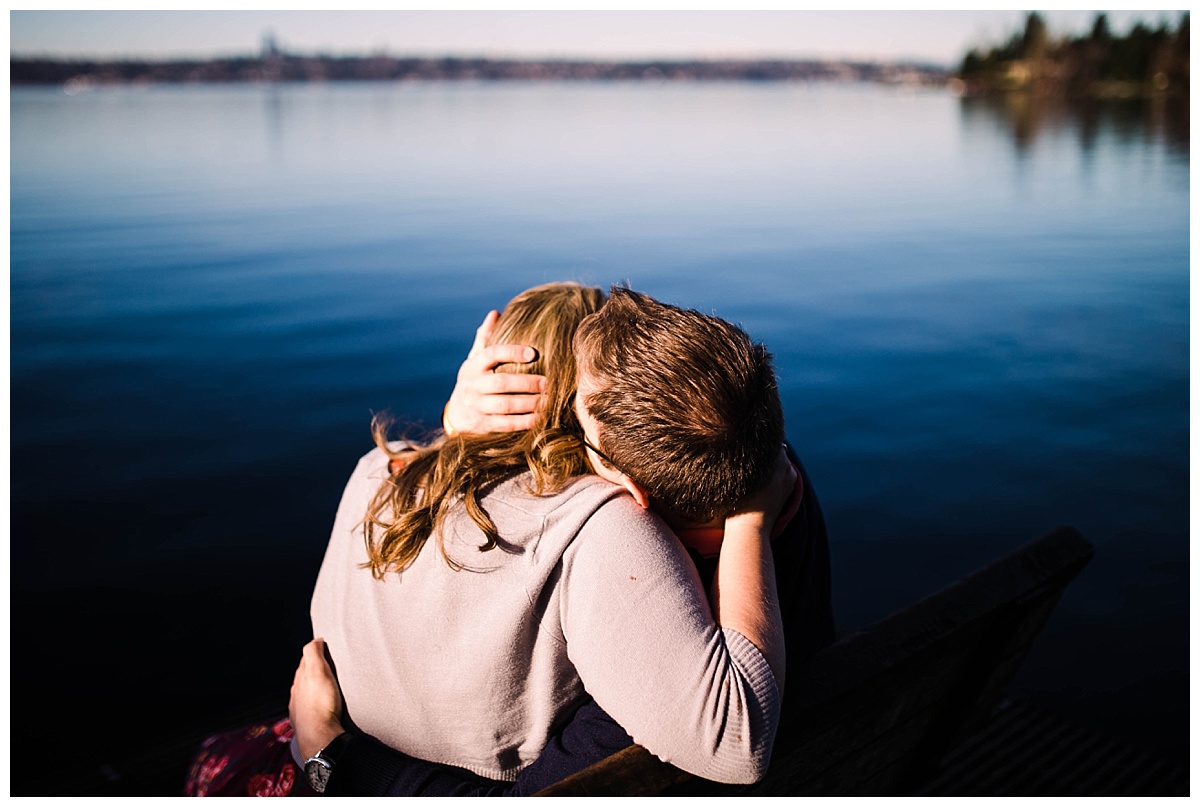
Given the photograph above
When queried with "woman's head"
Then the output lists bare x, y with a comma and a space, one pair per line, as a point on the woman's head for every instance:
457, 471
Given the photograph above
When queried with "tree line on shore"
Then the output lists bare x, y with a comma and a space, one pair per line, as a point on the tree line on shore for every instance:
1145, 60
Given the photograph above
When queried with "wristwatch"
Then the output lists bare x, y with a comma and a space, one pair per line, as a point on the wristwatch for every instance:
319, 767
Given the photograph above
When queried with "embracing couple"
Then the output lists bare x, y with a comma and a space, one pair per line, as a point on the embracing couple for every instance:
608, 544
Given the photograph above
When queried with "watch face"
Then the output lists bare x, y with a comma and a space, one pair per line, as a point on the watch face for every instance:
317, 771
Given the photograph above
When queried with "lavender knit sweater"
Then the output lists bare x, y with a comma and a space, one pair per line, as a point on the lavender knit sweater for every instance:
478, 668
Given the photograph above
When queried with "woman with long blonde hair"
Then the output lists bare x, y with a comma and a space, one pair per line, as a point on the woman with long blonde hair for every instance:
456, 468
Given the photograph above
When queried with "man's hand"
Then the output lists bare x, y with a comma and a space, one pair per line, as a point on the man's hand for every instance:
486, 401
316, 703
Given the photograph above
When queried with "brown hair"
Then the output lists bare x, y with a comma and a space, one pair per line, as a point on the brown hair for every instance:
687, 404
413, 503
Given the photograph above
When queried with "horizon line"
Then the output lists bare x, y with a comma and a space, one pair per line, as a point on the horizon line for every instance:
910, 61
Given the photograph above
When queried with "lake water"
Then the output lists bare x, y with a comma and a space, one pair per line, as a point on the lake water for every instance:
979, 313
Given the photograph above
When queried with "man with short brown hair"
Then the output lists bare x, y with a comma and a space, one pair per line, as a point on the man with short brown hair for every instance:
686, 404
682, 409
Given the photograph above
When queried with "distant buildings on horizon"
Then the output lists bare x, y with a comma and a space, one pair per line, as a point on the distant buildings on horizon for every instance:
273, 65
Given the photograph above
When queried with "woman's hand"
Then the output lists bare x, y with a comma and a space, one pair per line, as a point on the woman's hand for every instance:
760, 509
487, 401
316, 703
744, 595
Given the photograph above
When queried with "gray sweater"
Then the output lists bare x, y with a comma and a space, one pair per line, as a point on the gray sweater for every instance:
478, 668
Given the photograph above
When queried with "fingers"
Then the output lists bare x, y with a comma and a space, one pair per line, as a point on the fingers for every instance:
507, 405
774, 492
791, 477
509, 384
487, 401
312, 663
507, 423
484, 331
313, 673
783, 483
784, 478
316, 659
313, 653
491, 357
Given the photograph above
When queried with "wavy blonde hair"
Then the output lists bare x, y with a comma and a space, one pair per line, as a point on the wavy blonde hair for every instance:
435, 478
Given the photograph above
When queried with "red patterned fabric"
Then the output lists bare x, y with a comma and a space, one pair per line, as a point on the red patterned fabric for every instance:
251, 761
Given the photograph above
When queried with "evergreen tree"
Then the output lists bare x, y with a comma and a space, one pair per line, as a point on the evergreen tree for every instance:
1033, 43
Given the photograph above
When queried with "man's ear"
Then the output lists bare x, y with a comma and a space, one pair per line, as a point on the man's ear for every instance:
639, 493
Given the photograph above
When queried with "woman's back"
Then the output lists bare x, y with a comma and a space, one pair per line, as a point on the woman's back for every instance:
479, 667
463, 667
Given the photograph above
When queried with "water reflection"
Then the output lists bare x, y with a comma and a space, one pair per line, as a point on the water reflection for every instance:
273, 118
1027, 117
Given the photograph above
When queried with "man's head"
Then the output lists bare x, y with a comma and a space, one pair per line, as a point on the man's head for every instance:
683, 404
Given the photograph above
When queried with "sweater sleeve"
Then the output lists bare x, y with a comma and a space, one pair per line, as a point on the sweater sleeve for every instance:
640, 632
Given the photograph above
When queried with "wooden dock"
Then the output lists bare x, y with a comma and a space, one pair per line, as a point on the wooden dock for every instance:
914, 705
1027, 750
1023, 750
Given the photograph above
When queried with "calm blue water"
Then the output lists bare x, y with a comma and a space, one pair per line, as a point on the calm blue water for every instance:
979, 313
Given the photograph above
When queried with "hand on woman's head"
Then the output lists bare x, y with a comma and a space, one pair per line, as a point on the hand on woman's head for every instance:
486, 401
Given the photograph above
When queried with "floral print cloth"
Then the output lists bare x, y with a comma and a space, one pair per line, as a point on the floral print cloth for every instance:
252, 761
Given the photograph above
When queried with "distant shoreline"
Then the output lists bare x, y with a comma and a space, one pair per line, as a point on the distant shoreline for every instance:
283, 68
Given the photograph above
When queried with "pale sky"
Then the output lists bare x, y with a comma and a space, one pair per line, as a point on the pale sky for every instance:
938, 37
